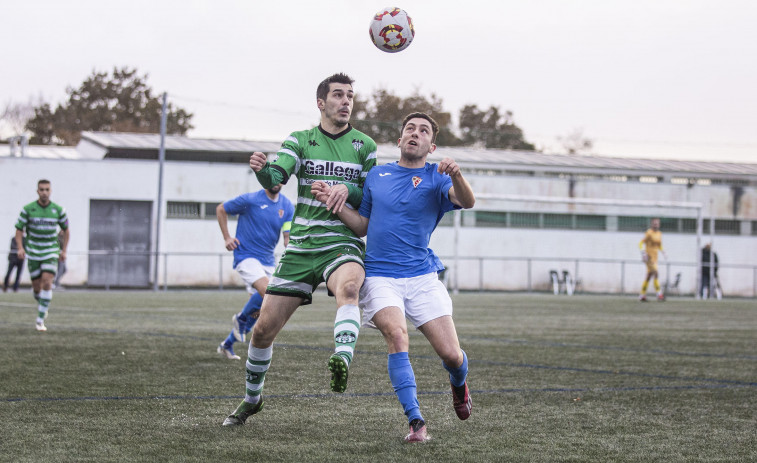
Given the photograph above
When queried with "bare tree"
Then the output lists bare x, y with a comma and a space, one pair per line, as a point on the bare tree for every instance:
576, 143
15, 115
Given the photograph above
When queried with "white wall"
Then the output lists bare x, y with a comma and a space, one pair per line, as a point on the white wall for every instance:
75, 183
558, 249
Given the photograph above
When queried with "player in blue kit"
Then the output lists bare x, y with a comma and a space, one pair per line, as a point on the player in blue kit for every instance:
402, 204
263, 216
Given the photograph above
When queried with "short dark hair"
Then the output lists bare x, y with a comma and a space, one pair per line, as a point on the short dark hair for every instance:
434, 125
41, 181
324, 86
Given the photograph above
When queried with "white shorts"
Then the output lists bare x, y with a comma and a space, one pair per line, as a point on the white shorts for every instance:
251, 270
421, 299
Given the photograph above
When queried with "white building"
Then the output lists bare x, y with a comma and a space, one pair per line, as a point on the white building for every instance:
109, 186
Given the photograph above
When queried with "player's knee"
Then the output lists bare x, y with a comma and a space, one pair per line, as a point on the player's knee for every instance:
350, 290
396, 338
452, 357
262, 337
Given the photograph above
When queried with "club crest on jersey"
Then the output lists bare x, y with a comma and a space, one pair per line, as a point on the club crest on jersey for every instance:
357, 144
281, 213
416, 181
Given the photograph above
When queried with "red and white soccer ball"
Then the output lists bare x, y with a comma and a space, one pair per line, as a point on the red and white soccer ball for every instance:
392, 30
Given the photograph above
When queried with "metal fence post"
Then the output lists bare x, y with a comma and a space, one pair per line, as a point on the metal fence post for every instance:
480, 273
622, 277
165, 271
220, 272
528, 261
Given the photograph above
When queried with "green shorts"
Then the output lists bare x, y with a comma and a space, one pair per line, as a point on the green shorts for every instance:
299, 273
36, 267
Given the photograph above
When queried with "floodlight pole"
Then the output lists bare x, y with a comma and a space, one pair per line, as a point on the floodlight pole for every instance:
161, 159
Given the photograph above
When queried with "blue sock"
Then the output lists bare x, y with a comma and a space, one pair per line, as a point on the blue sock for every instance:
230, 340
246, 318
457, 375
403, 381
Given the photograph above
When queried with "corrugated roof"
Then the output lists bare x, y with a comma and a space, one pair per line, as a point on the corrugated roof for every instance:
43, 152
149, 141
219, 150
529, 160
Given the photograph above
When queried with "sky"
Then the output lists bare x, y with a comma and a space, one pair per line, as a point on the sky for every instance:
658, 79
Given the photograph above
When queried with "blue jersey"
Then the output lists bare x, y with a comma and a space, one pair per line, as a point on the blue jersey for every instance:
259, 225
404, 207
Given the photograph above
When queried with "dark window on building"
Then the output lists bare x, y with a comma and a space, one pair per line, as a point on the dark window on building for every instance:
562, 221
183, 210
727, 227
524, 220
591, 222
491, 219
633, 223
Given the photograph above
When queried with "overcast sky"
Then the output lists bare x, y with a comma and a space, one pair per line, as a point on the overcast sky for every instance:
642, 78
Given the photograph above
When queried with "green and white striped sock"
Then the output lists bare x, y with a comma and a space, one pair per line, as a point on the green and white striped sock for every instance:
45, 296
346, 330
258, 361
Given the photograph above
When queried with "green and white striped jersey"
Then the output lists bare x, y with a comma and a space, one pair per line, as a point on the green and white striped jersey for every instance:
41, 225
314, 155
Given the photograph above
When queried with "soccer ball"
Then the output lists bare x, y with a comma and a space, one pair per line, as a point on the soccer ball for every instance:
392, 30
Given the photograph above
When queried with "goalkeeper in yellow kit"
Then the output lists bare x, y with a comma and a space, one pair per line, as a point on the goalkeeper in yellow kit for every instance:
649, 246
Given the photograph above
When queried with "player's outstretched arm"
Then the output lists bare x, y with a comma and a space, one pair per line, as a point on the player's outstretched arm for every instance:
461, 192
230, 242
266, 175
257, 161
21, 252
64, 245
350, 217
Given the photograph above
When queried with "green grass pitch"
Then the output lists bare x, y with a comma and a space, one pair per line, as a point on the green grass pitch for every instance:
134, 376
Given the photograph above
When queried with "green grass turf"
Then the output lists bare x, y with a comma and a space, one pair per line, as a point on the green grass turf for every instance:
134, 376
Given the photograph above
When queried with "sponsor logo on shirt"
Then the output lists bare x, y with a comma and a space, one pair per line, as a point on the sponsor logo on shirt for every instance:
264, 206
384, 174
332, 169
416, 181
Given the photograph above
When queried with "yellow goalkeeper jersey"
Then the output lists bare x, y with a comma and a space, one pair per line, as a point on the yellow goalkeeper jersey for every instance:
651, 243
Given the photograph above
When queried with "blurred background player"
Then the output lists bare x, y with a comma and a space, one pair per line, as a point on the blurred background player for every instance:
40, 221
262, 217
710, 285
650, 245
13, 263
321, 248
62, 267
402, 204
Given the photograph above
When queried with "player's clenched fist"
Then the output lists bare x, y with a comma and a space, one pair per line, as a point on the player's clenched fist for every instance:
257, 161
448, 166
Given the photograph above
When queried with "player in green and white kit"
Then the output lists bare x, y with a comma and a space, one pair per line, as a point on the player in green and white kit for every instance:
40, 220
321, 248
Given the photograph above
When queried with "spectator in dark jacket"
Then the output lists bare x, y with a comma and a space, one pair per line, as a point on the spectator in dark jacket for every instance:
13, 262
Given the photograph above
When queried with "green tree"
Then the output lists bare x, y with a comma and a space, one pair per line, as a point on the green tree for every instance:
491, 129
120, 102
381, 114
